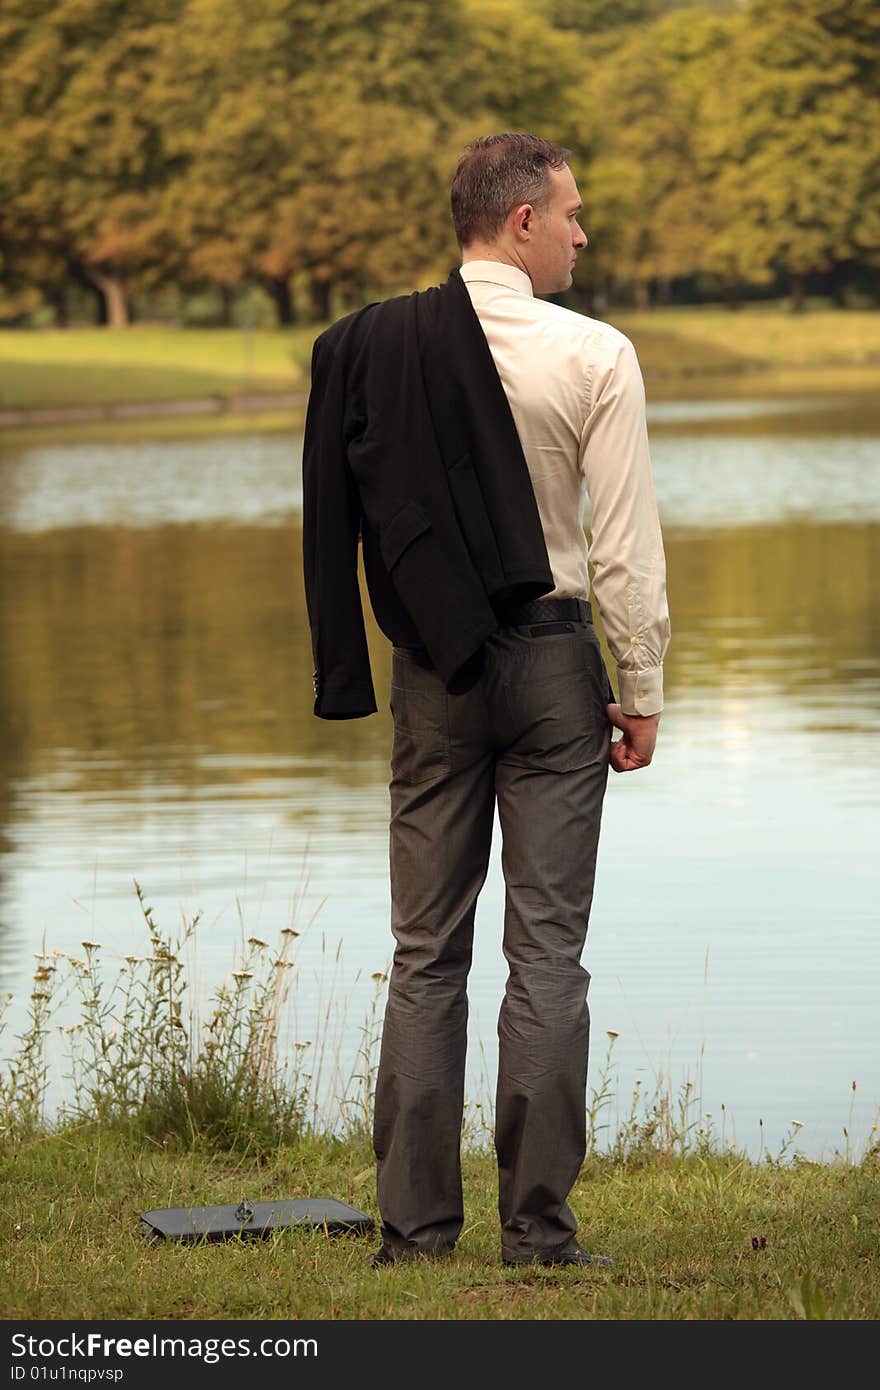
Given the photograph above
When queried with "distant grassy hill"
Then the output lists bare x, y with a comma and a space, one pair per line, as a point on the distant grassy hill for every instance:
756, 351
763, 351
93, 366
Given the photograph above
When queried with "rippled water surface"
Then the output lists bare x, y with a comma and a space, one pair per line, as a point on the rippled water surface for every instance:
156, 724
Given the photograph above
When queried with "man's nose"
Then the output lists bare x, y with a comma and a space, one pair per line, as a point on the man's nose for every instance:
581, 239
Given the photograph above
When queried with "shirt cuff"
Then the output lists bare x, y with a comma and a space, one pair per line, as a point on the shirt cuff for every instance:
641, 692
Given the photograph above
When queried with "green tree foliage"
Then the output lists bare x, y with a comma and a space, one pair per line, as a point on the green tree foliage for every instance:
83, 160
307, 145
590, 17
519, 73
316, 154
852, 25
794, 143
336, 167
645, 191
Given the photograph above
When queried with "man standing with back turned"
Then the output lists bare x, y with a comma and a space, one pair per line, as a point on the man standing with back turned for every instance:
529, 725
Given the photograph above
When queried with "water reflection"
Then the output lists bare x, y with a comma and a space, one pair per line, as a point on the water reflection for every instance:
155, 718
151, 482
857, 414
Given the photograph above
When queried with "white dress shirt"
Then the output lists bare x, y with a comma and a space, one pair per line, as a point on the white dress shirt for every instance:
578, 400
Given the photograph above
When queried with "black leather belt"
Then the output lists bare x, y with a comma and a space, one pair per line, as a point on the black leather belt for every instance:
544, 610
539, 610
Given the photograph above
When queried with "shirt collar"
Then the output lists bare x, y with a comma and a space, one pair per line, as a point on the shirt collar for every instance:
497, 273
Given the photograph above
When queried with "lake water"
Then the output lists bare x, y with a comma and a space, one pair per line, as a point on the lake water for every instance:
156, 724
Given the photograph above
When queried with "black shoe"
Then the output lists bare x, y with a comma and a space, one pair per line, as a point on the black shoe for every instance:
387, 1255
572, 1255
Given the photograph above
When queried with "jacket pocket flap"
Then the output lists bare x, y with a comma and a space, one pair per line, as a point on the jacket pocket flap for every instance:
404, 527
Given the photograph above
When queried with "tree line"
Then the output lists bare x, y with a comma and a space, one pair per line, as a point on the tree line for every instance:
306, 146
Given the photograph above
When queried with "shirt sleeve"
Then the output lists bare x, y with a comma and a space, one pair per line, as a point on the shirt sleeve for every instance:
626, 545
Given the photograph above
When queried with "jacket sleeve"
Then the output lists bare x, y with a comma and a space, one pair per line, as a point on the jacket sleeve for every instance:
342, 680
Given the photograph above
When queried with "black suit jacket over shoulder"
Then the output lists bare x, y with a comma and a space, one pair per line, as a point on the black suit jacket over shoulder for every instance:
411, 448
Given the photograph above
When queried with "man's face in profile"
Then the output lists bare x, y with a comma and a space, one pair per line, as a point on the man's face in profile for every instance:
556, 235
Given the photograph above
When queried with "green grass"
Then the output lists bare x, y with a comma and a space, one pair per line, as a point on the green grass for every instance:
760, 351
681, 1232
166, 1109
684, 352
710, 339
91, 366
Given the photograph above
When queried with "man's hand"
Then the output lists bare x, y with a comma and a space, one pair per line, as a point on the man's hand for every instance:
636, 748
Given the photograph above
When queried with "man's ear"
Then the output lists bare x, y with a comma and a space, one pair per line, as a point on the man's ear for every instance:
521, 221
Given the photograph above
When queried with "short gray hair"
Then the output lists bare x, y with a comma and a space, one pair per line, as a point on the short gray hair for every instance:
496, 174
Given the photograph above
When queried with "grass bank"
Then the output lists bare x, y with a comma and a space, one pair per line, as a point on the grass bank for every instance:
760, 351
711, 341
91, 366
691, 1236
168, 1108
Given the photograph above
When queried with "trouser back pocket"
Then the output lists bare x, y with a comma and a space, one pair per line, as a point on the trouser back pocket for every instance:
545, 629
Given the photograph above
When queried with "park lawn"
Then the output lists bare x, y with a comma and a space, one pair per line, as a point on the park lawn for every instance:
684, 352
714, 341
91, 366
682, 1233
840, 384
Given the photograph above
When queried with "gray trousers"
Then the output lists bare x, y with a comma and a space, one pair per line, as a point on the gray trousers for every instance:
533, 732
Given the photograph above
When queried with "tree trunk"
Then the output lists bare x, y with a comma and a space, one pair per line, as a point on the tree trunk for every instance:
839, 276
352, 294
278, 290
78, 271
797, 292
643, 295
320, 297
57, 298
227, 304
113, 293
731, 292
